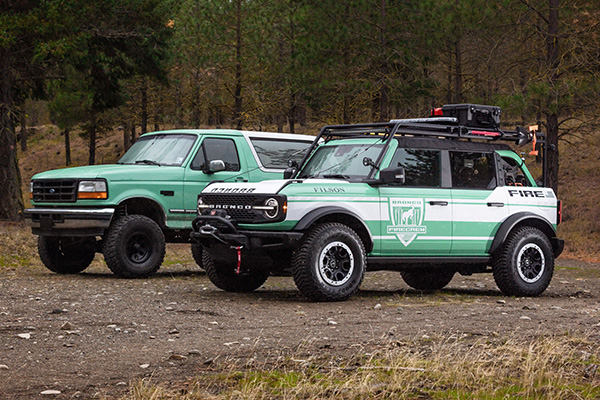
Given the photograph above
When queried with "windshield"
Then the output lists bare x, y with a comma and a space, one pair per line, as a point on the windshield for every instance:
343, 161
170, 150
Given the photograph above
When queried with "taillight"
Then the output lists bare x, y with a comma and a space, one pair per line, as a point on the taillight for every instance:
558, 212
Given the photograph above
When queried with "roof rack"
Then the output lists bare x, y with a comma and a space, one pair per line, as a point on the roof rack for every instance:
468, 122
435, 126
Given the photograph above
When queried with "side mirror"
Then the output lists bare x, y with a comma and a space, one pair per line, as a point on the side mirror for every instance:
216, 166
289, 172
292, 163
392, 176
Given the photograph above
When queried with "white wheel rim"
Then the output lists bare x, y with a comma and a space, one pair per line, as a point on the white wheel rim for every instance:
336, 264
531, 263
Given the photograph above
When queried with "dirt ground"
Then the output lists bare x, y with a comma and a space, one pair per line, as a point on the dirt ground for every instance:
93, 335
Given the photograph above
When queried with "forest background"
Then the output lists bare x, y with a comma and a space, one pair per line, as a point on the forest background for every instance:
104, 71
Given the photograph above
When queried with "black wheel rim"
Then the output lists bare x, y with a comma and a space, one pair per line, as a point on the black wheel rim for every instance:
138, 248
531, 263
336, 264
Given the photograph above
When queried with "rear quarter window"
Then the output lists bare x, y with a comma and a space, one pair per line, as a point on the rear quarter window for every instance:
472, 170
275, 154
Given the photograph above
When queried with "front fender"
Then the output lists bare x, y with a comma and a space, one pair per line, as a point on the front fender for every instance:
335, 214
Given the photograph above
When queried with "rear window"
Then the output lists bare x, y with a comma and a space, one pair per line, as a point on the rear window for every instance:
276, 153
472, 170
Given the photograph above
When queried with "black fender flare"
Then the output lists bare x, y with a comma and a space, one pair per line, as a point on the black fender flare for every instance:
511, 222
309, 219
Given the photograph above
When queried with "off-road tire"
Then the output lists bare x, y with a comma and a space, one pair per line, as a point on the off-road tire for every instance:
134, 247
427, 279
524, 264
66, 255
225, 276
197, 254
330, 263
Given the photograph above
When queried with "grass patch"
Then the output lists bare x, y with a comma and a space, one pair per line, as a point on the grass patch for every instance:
18, 247
446, 368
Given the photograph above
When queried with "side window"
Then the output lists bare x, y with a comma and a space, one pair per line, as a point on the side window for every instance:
472, 170
276, 153
421, 167
217, 149
513, 173
198, 162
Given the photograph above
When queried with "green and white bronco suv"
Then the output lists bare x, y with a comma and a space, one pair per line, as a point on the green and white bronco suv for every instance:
426, 197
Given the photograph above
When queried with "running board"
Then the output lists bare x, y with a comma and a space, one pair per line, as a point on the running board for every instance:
389, 262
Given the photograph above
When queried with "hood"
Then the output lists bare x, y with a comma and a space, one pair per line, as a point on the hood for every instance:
265, 187
111, 172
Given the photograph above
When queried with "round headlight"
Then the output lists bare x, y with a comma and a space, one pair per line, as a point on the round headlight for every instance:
273, 208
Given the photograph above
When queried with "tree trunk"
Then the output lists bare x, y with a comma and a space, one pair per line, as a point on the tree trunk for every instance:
384, 67
132, 133
23, 132
292, 113
458, 89
346, 111
67, 147
126, 137
178, 107
144, 115
237, 108
92, 142
196, 101
552, 63
11, 196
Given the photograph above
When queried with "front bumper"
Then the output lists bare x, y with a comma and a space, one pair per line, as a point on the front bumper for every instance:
210, 229
68, 221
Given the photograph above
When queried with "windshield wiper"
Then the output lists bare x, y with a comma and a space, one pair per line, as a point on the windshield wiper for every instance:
148, 162
336, 176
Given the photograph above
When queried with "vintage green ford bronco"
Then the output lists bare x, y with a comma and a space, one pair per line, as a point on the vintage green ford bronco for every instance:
130, 209
427, 197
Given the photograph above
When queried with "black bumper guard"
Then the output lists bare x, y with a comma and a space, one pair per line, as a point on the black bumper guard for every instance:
210, 229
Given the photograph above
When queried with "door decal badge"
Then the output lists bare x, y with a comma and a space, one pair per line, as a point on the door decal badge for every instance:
407, 217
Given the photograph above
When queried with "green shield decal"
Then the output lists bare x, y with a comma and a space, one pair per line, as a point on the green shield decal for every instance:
407, 219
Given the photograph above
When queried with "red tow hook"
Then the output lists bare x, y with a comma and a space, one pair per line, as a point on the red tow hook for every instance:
239, 263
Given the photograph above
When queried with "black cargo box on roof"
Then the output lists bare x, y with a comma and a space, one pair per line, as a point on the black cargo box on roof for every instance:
474, 115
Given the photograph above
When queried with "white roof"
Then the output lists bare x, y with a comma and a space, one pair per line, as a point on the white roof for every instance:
274, 135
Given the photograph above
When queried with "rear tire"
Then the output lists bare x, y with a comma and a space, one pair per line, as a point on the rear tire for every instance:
330, 263
427, 279
197, 254
225, 277
66, 255
525, 264
134, 247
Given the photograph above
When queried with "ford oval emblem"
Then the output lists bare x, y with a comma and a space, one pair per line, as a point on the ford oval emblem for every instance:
52, 190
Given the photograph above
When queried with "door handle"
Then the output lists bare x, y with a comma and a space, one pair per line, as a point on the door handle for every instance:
241, 179
438, 203
495, 204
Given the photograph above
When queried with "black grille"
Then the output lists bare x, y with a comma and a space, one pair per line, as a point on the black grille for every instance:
55, 190
233, 203
241, 199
